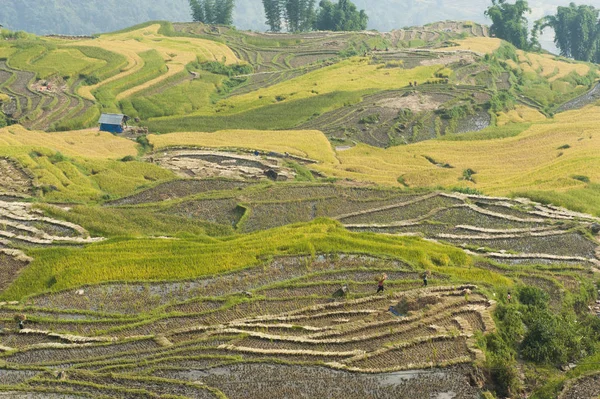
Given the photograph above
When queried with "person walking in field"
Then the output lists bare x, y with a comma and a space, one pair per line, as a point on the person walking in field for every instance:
380, 287
425, 277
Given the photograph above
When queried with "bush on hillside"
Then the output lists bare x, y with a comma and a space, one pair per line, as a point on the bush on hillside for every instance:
221, 68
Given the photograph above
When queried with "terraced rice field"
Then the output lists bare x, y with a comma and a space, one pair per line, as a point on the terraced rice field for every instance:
585, 387
36, 106
23, 227
298, 320
200, 338
543, 164
488, 225
389, 118
549, 66
177, 52
240, 256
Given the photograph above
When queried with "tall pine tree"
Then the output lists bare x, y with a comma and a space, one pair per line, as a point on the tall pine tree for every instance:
273, 12
197, 11
213, 11
224, 12
295, 15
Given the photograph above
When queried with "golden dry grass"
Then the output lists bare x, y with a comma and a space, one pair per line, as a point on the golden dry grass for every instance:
83, 143
549, 66
6, 51
305, 143
520, 114
481, 45
532, 160
356, 74
176, 51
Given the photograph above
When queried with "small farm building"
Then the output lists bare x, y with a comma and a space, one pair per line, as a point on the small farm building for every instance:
113, 123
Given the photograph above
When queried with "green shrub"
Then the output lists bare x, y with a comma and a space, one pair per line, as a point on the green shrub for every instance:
545, 340
220, 68
504, 374
533, 296
581, 178
468, 175
144, 143
369, 119
57, 157
90, 80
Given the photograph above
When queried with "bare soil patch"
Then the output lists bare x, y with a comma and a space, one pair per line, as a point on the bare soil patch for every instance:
416, 102
13, 178
10, 267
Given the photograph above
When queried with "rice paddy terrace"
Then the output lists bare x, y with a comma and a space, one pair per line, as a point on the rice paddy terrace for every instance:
304, 322
383, 89
240, 255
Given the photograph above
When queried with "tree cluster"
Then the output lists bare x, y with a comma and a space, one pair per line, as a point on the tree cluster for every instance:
296, 15
342, 16
530, 329
509, 22
213, 11
576, 28
576, 31
301, 15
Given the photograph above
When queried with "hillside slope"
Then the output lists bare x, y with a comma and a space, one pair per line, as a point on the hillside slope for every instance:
241, 231
77, 18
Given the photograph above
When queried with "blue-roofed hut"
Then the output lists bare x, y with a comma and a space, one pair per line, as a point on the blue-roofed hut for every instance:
113, 123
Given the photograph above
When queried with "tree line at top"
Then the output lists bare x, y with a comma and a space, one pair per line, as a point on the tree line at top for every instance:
291, 15
218, 12
576, 28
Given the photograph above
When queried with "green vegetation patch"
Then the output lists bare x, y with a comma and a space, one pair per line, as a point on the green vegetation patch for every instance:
264, 118
170, 259
583, 199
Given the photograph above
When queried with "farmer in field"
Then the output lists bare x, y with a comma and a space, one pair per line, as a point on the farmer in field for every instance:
380, 287
20, 319
425, 278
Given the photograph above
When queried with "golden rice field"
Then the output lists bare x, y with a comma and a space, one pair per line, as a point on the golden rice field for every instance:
66, 62
521, 114
532, 160
176, 51
305, 143
548, 65
6, 51
83, 143
355, 74
483, 45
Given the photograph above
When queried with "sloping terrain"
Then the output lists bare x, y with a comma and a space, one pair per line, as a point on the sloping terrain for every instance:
241, 254
304, 319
